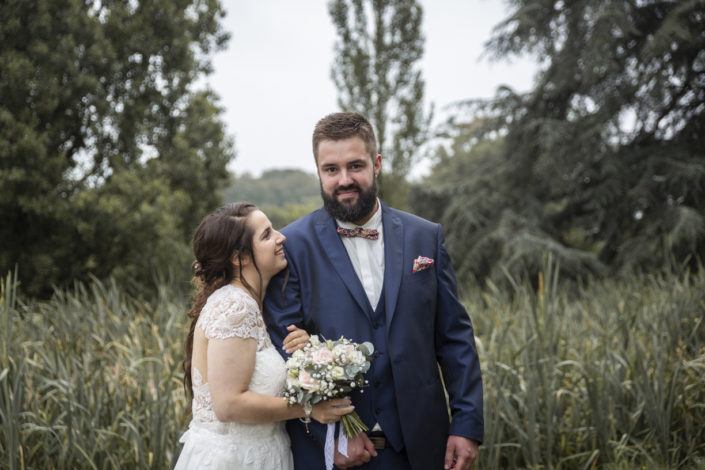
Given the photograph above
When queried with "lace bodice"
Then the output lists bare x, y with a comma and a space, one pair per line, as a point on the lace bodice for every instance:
231, 312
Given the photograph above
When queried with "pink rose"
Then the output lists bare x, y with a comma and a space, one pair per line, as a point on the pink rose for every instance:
308, 382
322, 356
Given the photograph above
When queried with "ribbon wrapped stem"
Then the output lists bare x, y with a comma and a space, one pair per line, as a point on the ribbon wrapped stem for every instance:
351, 426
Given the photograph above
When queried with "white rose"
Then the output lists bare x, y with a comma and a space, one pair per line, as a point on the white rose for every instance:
292, 382
343, 350
337, 373
357, 358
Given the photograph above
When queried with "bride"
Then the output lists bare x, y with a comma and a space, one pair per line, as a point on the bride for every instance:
234, 373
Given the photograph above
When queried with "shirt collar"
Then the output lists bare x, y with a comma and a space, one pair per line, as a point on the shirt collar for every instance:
374, 222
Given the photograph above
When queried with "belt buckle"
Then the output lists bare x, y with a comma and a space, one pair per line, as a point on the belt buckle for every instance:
379, 442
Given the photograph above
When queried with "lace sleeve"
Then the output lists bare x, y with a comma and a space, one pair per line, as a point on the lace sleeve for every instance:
230, 313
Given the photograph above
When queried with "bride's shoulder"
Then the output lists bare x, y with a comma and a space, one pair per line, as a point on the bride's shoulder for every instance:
228, 298
228, 305
232, 293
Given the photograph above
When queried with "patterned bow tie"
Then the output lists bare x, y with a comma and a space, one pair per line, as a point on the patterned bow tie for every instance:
366, 233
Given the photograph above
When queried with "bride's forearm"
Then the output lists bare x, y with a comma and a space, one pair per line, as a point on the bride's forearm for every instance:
252, 407
231, 364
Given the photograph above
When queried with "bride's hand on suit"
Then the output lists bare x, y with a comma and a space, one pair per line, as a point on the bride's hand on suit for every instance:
330, 411
296, 339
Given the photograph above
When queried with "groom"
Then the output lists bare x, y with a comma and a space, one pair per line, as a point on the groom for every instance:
365, 271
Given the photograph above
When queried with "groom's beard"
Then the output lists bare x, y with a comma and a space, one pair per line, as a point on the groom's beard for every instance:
364, 205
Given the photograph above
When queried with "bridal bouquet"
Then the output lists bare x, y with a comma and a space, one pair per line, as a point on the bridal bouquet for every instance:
330, 369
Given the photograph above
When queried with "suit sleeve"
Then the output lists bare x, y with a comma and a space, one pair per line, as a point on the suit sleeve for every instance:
456, 352
283, 307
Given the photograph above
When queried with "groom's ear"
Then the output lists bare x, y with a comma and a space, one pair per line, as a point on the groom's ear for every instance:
377, 164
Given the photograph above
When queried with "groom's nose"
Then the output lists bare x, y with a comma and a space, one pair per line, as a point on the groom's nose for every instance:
345, 178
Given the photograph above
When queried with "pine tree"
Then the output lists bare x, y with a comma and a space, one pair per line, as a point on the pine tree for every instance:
603, 161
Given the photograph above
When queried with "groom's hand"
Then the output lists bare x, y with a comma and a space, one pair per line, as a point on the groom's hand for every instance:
360, 451
461, 453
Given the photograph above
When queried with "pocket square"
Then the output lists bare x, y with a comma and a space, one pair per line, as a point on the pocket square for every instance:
422, 263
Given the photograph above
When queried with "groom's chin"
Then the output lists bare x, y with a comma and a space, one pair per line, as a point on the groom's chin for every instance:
348, 202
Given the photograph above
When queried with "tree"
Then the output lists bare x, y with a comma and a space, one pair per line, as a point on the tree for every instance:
276, 187
283, 194
602, 162
108, 155
377, 75
492, 228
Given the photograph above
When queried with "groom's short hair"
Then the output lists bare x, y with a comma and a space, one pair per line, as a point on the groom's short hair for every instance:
339, 126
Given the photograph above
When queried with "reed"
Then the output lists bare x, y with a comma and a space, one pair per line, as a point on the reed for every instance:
613, 377
92, 379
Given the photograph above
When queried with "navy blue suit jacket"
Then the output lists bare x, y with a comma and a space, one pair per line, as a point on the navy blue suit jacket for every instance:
427, 326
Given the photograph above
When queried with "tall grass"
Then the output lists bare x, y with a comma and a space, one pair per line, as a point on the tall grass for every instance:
91, 379
611, 378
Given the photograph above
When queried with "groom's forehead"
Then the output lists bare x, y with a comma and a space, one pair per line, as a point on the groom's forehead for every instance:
356, 141
342, 151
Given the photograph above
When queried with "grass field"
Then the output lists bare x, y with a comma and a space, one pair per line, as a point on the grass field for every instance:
610, 377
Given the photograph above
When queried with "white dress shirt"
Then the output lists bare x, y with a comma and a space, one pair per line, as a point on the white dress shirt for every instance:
367, 256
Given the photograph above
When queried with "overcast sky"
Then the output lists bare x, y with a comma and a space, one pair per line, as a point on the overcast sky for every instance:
274, 78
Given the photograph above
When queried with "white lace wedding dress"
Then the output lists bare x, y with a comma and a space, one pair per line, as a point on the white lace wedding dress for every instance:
212, 444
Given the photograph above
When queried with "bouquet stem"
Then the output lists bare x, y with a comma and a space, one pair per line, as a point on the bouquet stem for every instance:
353, 425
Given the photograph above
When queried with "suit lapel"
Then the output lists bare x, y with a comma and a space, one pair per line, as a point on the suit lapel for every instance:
393, 260
334, 249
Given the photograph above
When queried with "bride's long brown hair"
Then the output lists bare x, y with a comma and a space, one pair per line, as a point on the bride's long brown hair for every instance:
221, 237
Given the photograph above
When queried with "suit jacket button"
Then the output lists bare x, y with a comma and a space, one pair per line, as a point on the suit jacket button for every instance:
377, 384
376, 325
378, 411
376, 354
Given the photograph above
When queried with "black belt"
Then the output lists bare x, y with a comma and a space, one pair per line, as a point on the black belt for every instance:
379, 440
